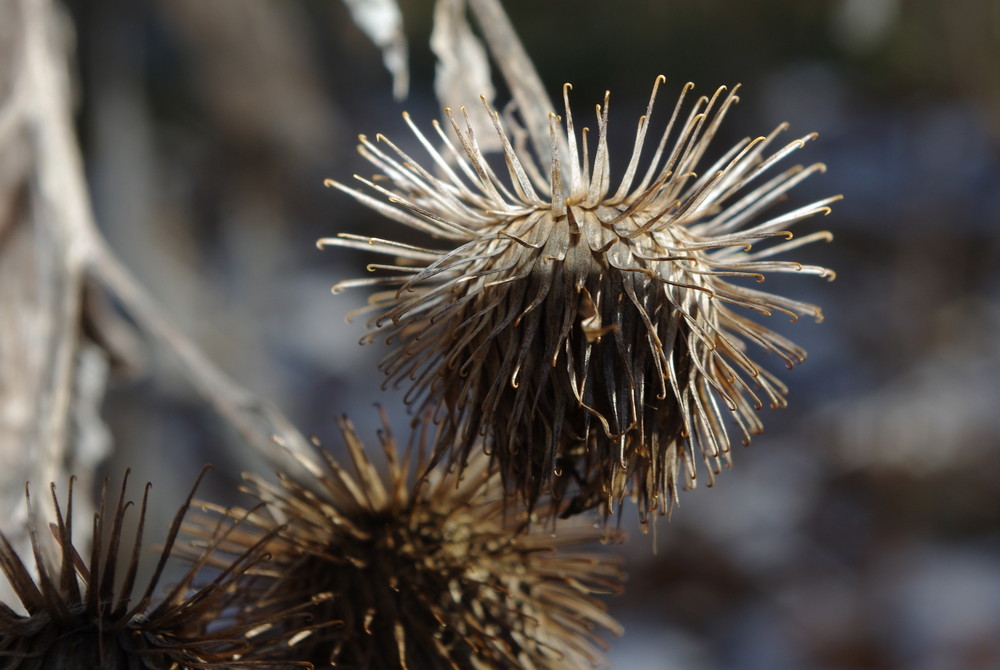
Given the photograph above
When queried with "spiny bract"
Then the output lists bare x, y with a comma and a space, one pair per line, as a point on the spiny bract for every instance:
83, 614
598, 338
431, 572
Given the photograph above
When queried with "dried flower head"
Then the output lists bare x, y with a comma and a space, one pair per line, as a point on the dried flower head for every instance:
432, 573
597, 336
81, 615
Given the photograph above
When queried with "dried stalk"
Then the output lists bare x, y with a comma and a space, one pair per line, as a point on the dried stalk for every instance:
51, 248
52, 377
519, 72
259, 423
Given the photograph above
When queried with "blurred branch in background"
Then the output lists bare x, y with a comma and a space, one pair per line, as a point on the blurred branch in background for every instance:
52, 372
382, 21
57, 341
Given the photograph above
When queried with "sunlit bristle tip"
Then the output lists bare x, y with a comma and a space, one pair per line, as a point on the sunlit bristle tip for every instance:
425, 569
596, 329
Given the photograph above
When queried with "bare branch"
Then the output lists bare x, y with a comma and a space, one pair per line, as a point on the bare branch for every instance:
52, 377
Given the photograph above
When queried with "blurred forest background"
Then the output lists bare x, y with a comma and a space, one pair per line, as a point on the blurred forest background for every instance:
860, 531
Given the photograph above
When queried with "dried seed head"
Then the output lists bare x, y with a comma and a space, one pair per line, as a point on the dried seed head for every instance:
431, 573
599, 337
82, 615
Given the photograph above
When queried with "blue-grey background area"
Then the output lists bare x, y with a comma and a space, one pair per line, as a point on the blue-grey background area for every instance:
858, 532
